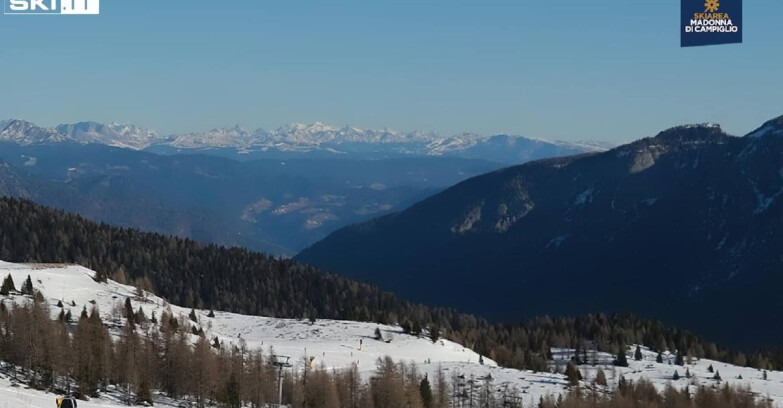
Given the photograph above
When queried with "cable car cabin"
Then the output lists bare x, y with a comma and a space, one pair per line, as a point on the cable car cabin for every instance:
66, 402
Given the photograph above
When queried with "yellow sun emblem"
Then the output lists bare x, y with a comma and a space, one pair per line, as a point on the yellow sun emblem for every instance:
711, 6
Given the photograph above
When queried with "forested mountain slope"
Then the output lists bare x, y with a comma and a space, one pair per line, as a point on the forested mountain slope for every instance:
684, 226
191, 274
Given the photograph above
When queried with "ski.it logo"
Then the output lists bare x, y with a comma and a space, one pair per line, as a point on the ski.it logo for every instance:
64, 7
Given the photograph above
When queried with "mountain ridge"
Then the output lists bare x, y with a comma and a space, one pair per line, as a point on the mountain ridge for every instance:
691, 205
297, 138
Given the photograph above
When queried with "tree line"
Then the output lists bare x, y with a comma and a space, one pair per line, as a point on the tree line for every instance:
168, 354
192, 274
643, 394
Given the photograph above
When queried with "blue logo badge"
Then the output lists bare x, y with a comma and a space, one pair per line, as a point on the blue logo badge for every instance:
710, 22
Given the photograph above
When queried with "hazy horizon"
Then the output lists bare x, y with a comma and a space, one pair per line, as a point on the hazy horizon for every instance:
339, 126
561, 70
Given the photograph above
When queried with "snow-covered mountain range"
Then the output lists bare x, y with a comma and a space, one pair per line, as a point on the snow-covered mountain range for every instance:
301, 139
113, 134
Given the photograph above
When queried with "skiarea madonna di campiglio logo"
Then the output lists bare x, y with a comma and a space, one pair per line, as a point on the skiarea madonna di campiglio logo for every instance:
711, 22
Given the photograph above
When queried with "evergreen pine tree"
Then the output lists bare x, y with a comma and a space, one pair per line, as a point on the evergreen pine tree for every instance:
416, 329
231, 396
710, 369
129, 314
717, 376
622, 384
676, 376
764, 375
8, 286
434, 333
140, 316
27, 286
637, 355
173, 323
101, 276
426, 392
211, 313
622, 359
572, 373
679, 359
659, 358
406, 327
687, 373
192, 316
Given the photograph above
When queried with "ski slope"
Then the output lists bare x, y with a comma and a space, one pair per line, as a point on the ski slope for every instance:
338, 344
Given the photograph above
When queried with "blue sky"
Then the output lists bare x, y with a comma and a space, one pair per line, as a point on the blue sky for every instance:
601, 70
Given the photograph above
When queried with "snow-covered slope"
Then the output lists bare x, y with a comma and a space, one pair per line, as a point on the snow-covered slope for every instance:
336, 344
25, 133
118, 135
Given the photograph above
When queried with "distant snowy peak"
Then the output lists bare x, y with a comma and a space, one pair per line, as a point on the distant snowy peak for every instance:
126, 136
303, 129
301, 138
215, 138
319, 134
27, 133
117, 135
136, 135
440, 146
